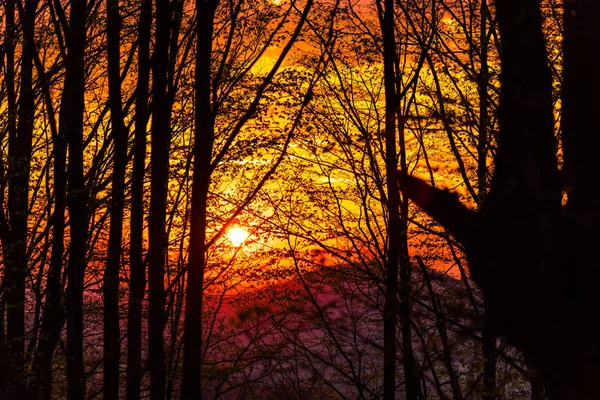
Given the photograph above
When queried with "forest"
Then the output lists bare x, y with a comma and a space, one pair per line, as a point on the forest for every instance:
299, 199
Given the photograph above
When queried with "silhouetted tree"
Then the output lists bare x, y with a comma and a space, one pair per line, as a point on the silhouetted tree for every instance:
533, 257
137, 277
71, 127
112, 345
397, 249
161, 143
53, 318
14, 229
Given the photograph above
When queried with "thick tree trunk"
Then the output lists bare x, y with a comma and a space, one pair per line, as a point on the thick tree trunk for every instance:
581, 139
112, 345
71, 127
203, 148
137, 269
161, 140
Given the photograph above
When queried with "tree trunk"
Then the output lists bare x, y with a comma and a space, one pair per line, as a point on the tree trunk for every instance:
203, 148
580, 137
412, 374
396, 233
112, 345
54, 316
71, 127
14, 313
488, 345
19, 162
393, 206
483, 84
137, 270
161, 140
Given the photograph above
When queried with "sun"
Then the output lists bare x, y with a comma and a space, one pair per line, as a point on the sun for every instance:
237, 236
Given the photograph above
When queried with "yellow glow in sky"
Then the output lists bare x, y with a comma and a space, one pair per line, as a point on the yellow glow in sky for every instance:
237, 236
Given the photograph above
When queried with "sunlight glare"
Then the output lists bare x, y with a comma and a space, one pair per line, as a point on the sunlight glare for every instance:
237, 236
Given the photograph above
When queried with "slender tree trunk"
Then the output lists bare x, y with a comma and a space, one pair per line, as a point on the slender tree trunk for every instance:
488, 338
14, 312
112, 345
397, 246
482, 144
161, 139
393, 206
20, 148
203, 147
137, 270
71, 124
412, 375
54, 315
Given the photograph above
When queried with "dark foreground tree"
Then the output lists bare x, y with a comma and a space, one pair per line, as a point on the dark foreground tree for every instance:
112, 346
71, 128
397, 257
137, 268
13, 225
532, 255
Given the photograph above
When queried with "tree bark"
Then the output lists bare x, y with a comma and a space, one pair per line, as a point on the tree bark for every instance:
19, 162
71, 127
412, 375
488, 344
396, 233
393, 208
14, 313
203, 149
137, 269
161, 140
112, 345
580, 88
